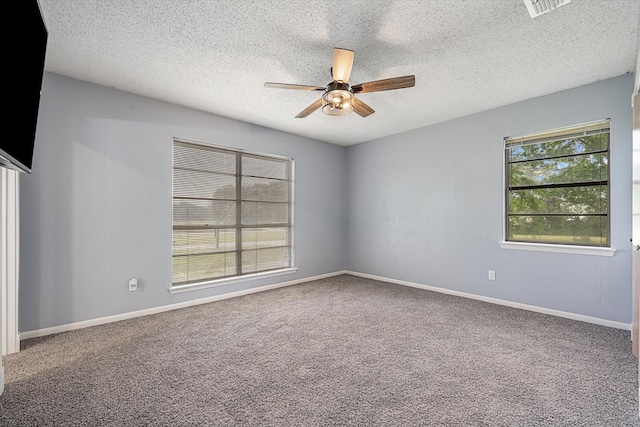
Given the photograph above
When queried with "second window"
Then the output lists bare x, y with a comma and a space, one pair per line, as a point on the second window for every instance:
557, 186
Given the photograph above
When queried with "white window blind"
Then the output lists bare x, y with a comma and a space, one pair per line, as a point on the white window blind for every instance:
232, 213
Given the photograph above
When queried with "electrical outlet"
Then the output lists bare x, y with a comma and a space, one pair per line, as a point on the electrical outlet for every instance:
492, 275
133, 284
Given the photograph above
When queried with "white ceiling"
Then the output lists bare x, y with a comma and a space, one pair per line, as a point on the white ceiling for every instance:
467, 55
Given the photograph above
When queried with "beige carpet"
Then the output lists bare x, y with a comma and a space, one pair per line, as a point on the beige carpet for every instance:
343, 351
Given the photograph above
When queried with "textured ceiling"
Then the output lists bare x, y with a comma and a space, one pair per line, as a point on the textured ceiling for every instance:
467, 56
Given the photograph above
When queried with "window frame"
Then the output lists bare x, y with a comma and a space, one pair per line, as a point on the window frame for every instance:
591, 128
238, 226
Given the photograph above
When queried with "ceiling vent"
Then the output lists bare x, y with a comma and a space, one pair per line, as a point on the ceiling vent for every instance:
539, 7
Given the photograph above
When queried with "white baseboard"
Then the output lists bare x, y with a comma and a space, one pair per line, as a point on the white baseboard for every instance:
133, 314
1, 380
558, 313
130, 315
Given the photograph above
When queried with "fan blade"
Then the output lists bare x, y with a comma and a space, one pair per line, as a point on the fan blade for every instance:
361, 108
342, 64
385, 84
310, 109
292, 86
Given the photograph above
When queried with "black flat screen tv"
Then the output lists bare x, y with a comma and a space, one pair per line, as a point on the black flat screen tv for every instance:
27, 53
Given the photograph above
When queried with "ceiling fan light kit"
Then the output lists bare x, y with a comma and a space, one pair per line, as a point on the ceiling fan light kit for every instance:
337, 101
338, 98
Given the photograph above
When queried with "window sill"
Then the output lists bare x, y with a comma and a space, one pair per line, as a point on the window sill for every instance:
229, 280
566, 249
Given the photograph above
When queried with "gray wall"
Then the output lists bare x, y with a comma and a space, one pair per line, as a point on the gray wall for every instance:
426, 206
97, 208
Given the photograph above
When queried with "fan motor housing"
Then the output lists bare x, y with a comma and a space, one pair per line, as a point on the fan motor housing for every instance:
338, 86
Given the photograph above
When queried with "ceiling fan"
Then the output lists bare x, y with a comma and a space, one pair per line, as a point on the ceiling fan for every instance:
339, 98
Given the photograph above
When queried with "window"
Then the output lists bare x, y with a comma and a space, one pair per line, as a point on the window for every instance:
557, 186
232, 213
